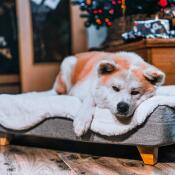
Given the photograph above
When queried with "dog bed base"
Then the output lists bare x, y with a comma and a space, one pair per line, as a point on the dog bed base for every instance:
157, 131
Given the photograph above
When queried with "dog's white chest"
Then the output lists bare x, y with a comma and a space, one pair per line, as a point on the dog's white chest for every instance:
84, 88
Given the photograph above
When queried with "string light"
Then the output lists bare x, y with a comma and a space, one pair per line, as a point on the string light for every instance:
104, 12
98, 21
88, 2
123, 6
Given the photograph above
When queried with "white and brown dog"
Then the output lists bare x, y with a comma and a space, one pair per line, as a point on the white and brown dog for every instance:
116, 81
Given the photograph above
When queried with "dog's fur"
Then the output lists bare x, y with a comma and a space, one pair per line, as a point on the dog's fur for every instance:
107, 80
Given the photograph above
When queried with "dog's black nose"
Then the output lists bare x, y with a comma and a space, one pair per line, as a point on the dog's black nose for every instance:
123, 107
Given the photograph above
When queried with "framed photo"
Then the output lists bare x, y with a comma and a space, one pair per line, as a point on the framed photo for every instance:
51, 27
47, 33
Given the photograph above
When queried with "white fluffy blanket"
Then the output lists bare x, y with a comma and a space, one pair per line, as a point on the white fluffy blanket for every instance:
20, 112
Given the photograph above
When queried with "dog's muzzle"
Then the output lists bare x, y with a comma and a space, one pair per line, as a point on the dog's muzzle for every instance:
122, 110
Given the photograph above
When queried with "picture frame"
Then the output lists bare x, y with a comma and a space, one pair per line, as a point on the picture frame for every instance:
41, 76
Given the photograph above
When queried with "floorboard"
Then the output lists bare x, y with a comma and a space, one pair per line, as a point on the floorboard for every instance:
90, 165
18, 160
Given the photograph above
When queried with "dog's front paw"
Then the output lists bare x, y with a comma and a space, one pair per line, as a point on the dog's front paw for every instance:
81, 125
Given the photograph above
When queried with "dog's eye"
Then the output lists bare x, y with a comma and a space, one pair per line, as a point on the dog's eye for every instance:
135, 92
115, 88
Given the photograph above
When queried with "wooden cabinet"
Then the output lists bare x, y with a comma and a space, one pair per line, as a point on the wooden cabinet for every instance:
10, 84
159, 52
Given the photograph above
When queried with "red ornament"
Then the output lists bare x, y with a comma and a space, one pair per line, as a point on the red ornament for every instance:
100, 11
109, 23
113, 2
163, 3
111, 11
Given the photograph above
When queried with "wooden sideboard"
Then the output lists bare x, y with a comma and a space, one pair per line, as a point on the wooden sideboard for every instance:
159, 52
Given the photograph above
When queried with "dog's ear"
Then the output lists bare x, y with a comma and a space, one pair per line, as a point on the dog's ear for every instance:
154, 75
106, 67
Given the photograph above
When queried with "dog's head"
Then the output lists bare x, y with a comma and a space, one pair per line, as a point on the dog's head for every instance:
124, 82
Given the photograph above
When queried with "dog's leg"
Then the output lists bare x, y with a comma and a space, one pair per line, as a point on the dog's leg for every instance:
84, 117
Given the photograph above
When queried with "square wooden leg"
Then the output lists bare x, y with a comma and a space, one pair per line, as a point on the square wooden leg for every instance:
4, 140
149, 154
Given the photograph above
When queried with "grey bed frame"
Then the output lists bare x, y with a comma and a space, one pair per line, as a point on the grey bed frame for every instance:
158, 130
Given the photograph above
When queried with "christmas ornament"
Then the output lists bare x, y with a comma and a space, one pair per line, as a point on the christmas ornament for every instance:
163, 3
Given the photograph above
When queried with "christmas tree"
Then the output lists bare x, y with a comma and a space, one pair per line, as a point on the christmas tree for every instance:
104, 12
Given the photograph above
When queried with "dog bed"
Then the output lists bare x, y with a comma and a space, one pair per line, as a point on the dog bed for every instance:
153, 122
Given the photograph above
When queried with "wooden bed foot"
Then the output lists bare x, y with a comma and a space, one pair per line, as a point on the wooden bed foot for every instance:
149, 154
4, 141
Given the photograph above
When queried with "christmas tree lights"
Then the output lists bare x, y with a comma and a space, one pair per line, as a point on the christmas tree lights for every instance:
104, 12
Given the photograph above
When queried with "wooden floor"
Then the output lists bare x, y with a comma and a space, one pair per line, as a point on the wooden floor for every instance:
16, 160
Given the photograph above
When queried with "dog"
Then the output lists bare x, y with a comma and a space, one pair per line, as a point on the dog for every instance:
116, 81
